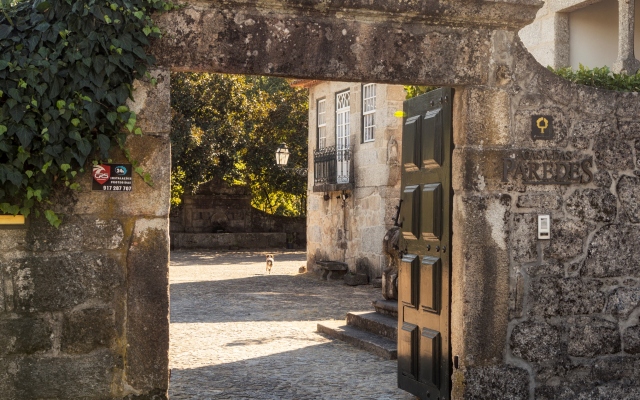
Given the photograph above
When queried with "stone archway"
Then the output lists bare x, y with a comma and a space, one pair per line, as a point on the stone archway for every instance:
94, 294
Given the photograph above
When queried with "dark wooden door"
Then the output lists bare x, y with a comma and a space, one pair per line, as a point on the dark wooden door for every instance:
424, 279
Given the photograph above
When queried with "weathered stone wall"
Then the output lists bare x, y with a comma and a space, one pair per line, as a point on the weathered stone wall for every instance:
84, 308
554, 318
353, 233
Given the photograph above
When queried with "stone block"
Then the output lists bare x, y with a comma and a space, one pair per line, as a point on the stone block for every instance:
152, 103
584, 129
592, 336
541, 201
613, 252
567, 239
55, 283
549, 392
622, 301
597, 205
629, 129
41, 236
86, 377
100, 234
566, 296
631, 340
493, 382
549, 268
524, 237
628, 189
86, 330
604, 106
602, 179
628, 105
356, 279
11, 239
487, 117
608, 369
612, 154
3, 297
536, 342
24, 335
480, 246
372, 239
148, 306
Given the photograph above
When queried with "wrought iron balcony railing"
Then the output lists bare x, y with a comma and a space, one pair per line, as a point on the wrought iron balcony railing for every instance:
331, 166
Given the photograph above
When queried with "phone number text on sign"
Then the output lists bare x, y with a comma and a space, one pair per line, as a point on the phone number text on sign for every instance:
117, 188
112, 177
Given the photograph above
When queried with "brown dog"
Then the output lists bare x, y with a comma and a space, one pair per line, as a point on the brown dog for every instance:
269, 262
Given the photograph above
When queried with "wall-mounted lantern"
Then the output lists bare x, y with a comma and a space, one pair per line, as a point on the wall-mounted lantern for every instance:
282, 155
282, 158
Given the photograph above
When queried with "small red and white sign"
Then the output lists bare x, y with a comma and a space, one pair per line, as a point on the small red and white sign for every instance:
101, 173
112, 178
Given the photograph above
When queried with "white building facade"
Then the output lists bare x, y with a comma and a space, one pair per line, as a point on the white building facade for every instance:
354, 172
592, 33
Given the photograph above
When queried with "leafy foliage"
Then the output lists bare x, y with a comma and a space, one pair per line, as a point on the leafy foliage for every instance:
413, 91
600, 77
66, 72
230, 126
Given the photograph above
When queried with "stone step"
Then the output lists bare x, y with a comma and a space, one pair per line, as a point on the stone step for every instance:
368, 341
387, 307
371, 321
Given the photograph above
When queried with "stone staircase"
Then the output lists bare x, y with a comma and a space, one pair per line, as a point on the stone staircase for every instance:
374, 331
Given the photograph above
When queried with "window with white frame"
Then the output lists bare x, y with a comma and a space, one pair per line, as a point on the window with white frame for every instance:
343, 107
368, 111
322, 123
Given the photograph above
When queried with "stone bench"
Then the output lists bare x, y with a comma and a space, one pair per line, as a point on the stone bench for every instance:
332, 269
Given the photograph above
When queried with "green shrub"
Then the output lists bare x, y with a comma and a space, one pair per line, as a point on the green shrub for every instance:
600, 77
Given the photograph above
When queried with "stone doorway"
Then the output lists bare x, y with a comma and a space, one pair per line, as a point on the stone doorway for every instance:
503, 277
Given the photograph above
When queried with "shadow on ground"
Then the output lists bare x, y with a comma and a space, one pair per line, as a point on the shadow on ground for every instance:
323, 371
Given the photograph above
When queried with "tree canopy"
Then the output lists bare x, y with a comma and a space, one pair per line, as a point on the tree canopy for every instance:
229, 126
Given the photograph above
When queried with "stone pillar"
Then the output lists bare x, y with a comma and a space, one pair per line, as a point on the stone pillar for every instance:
626, 61
84, 309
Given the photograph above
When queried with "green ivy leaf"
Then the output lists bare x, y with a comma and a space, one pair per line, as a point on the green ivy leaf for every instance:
52, 218
3, 130
65, 167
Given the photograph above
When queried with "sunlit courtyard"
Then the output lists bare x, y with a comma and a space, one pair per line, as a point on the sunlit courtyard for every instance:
238, 332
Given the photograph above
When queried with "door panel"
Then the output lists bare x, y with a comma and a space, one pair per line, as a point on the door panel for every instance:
431, 213
409, 275
430, 284
411, 206
424, 279
411, 132
431, 145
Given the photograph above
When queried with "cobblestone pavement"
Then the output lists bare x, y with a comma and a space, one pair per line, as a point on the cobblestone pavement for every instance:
238, 333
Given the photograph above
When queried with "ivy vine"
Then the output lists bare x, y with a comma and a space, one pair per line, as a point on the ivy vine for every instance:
66, 71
